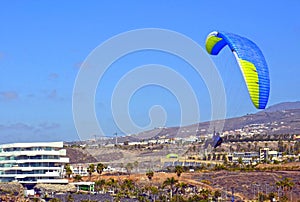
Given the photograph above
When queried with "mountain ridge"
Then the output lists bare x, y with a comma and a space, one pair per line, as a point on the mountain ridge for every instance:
279, 118
283, 106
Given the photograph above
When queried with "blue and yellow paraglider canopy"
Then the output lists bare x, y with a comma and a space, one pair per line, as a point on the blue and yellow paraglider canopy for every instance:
251, 62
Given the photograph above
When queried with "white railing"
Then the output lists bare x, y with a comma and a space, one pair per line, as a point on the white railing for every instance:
34, 153
46, 181
60, 160
30, 168
48, 174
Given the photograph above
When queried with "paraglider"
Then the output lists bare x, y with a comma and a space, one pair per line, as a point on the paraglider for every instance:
216, 141
251, 62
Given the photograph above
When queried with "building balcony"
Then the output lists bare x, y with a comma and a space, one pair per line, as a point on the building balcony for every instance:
34, 145
61, 152
31, 168
21, 176
45, 181
45, 160
53, 181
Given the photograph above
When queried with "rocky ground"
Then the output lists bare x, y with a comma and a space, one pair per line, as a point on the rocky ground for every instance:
148, 157
91, 197
79, 155
246, 185
11, 191
249, 184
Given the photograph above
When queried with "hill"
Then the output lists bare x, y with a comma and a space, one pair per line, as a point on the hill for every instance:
275, 121
78, 155
282, 118
283, 106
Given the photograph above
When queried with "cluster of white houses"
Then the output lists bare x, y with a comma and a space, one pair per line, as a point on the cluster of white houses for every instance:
32, 163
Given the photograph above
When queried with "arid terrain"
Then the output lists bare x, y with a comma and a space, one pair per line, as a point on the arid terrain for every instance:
246, 185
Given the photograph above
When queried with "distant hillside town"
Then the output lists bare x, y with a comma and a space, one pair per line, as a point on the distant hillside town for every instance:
129, 167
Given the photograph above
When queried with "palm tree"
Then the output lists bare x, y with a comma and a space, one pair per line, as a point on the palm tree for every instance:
225, 160
249, 146
99, 185
240, 161
90, 170
100, 168
112, 183
217, 194
181, 186
77, 178
266, 144
271, 196
136, 165
68, 170
280, 145
150, 174
129, 167
170, 182
154, 191
69, 198
238, 147
127, 187
204, 194
286, 184
255, 145
178, 170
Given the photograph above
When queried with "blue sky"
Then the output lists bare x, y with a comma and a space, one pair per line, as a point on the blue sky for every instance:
43, 44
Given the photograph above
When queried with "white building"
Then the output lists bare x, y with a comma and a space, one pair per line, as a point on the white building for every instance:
268, 155
109, 169
31, 163
247, 157
264, 154
82, 169
79, 169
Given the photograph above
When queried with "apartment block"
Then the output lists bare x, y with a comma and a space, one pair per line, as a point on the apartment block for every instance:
31, 163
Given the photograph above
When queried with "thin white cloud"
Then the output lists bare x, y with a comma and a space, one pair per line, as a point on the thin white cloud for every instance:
9, 95
23, 127
31, 95
48, 126
16, 127
52, 94
24, 132
53, 76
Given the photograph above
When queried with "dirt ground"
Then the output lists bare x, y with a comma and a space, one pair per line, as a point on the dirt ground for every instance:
246, 185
